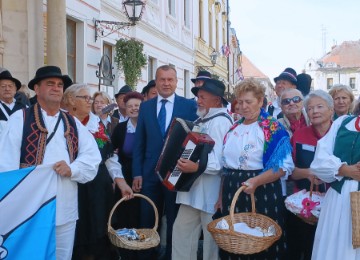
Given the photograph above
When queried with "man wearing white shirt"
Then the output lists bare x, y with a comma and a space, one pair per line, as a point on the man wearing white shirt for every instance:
198, 205
8, 104
51, 136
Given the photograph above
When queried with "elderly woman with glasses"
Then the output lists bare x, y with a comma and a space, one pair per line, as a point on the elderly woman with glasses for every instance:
319, 106
294, 115
343, 100
102, 101
96, 198
256, 153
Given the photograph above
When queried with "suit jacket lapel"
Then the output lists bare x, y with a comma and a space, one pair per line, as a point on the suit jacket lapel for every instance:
154, 114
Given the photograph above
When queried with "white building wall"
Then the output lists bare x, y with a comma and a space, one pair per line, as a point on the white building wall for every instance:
165, 38
339, 76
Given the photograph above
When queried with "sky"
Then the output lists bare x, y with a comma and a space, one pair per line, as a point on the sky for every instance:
286, 33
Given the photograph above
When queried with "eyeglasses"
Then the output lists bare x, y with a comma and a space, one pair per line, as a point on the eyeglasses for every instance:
287, 101
86, 98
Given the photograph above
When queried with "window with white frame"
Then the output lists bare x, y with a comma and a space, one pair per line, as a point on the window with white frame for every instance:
151, 68
352, 83
71, 48
329, 83
201, 22
186, 82
187, 13
171, 4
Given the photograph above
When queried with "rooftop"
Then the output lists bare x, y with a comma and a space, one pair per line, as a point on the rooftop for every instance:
345, 55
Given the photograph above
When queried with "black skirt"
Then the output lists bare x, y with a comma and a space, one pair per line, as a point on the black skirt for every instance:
96, 199
268, 201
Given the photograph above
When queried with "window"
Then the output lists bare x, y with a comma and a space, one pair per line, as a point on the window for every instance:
172, 7
330, 83
217, 34
201, 24
108, 50
151, 68
186, 82
210, 29
187, 13
71, 48
352, 83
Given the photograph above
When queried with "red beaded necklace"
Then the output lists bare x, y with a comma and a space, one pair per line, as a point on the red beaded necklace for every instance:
357, 124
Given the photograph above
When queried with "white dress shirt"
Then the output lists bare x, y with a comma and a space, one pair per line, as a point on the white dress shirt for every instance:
169, 106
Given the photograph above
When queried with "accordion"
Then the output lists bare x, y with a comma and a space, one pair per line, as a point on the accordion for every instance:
181, 142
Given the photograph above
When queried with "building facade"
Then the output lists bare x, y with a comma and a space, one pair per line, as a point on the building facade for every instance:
180, 33
339, 66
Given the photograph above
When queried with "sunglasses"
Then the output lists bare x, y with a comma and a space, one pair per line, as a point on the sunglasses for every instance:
287, 101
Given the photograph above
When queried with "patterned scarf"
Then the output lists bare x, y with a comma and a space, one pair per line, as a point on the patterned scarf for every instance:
277, 141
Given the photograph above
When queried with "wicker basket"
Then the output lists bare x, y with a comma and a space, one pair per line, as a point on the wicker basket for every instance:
152, 236
312, 220
355, 215
239, 243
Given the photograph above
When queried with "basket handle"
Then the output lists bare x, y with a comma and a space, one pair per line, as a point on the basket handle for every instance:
140, 196
233, 202
312, 186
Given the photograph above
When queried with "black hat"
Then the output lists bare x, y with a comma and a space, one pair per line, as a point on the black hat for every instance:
304, 83
288, 74
214, 87
49, 72
125, 89
7, 75
150, 85
202, 75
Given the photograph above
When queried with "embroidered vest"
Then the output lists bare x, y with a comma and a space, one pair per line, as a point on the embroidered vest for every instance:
346, 148
35, 136
9, 111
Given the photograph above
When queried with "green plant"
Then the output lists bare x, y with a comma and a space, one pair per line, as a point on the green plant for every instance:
130, 59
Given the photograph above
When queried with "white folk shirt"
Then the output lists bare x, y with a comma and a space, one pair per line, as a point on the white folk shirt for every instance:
83, 169
244, 150
334, 229
204, 192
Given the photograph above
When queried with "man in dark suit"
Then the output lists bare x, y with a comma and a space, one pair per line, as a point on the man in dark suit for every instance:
153, 123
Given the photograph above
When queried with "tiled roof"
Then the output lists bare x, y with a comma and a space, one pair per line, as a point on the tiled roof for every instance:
346, 55
250, 70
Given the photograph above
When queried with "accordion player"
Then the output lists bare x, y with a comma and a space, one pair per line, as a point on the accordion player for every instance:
181, 142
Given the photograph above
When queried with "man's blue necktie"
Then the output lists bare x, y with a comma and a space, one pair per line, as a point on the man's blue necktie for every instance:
162, 117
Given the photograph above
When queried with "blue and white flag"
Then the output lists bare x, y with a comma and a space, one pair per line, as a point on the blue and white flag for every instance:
27, 213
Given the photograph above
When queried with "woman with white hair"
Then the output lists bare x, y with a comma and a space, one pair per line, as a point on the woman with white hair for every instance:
319, 106
336, 162
96, 197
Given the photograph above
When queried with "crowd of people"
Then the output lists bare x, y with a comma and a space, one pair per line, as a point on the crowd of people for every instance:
100, 155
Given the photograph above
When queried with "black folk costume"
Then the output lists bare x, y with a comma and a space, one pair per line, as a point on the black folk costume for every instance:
96, 199
250, 150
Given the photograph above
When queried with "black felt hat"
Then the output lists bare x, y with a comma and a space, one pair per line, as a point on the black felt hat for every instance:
202, 75
125, 89
214, 87
50, 72
288, 74
304, 83
7, 75
150, 85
